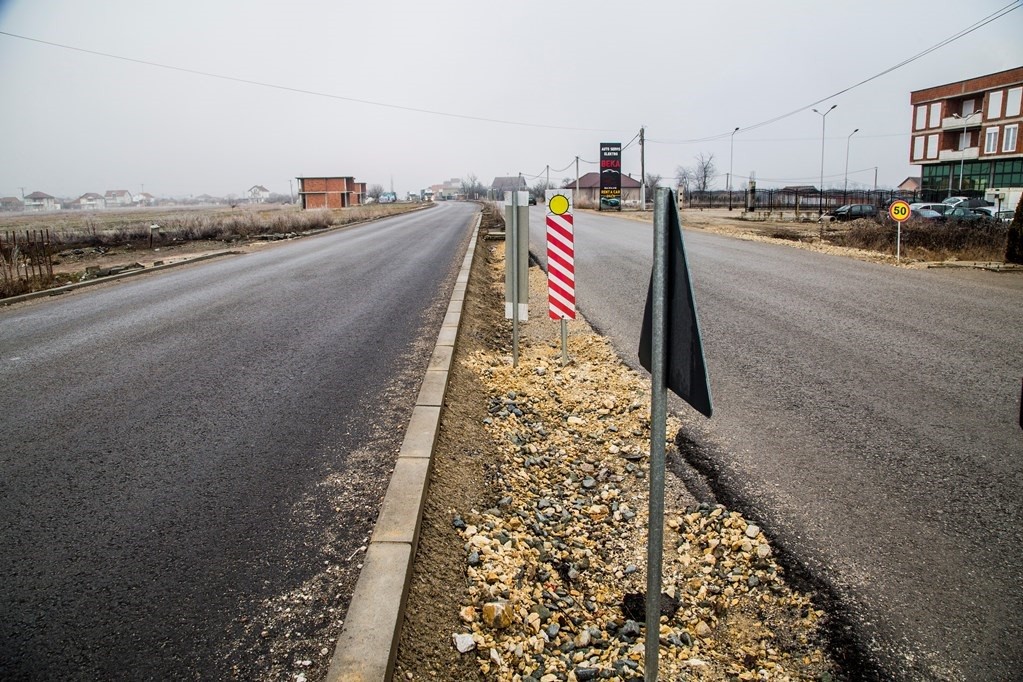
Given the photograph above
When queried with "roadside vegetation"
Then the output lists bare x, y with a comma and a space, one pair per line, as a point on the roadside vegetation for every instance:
29, 242
927, 240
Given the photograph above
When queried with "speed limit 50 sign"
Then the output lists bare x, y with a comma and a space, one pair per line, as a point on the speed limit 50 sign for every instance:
899, 211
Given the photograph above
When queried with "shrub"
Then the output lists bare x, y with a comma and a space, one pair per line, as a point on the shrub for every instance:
1014, 246
927, 240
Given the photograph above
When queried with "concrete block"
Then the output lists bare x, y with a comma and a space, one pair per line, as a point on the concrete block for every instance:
448, 335
432, 390
368, 644
403, 503
441, 358
421, 432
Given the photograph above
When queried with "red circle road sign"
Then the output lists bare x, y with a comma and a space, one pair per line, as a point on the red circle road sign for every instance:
899, 211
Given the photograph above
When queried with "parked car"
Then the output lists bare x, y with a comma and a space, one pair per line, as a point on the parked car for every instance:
940, 208
966, 202
925, 214
963, 213
994, 214
851, 212
610, 203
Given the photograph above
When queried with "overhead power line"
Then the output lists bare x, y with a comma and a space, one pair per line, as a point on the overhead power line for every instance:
303, 91
994, 16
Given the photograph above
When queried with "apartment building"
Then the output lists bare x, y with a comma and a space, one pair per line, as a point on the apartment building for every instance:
966, 135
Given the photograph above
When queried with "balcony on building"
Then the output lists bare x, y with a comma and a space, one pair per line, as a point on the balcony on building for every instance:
953, 123
968, 154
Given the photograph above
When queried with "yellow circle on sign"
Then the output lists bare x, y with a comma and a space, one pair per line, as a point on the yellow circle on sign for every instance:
899, 211
558, 204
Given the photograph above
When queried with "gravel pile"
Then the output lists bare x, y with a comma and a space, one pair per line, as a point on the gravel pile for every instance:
555, 570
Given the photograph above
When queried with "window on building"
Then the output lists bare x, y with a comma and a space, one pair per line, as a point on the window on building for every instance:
964, 140
932, 146
968, 107
991, 141
935, 115
918, 147
994, 105
1009, 139
921, 117
1007, 173
1013, 101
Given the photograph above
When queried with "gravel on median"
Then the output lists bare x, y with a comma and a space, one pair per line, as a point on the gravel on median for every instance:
555, 570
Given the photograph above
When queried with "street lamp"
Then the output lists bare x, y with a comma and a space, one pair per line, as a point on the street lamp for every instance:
962, 150
824, 116
731, 154
845, 188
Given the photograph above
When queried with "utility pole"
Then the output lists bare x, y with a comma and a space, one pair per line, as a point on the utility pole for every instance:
642, 167
23, 189
548, 185
577, 192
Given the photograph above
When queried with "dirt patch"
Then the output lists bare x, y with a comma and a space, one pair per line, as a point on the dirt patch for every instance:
534, 530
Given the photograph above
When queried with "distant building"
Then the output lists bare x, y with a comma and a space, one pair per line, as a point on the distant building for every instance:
145, 199
90, 201
258, 194
118, 197
500, 185
331, 192
447, 190
911, 184
11, 204
40, 201
970, 126
587, 194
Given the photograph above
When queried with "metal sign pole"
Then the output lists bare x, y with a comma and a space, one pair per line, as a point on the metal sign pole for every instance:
515, 276
658, 428
564, 342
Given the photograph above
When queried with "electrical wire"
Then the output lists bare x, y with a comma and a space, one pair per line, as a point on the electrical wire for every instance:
998, 14
313, 93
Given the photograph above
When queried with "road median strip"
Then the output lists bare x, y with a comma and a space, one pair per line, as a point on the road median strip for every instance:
368, 644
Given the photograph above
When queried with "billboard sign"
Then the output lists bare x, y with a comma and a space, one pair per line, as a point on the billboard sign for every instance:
610, 175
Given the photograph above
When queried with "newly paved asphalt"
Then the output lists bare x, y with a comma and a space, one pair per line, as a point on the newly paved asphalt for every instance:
868, 417
177, 448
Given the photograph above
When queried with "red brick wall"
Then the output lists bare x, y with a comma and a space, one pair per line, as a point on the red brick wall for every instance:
988, 82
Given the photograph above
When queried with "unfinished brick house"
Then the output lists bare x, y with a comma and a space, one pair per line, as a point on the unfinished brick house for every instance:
333, 192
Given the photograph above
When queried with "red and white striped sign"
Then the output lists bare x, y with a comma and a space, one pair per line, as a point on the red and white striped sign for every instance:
560, 258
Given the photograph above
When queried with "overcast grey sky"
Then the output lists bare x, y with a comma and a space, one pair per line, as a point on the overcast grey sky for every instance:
569, 73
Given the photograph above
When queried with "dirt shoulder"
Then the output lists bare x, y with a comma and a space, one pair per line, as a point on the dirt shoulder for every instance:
533, 543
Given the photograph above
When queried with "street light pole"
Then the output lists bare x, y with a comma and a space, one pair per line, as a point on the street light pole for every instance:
962, 150
731, 155
845, 187
824, 117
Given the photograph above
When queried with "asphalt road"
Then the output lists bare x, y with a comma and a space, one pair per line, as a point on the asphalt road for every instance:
868, 417
178, 449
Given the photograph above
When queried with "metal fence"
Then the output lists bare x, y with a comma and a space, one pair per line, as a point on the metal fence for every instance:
26, 262
811, 200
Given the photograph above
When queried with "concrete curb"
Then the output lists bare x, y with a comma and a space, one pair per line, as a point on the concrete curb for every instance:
368, 645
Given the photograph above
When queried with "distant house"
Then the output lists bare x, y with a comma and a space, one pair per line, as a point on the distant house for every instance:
40, 201
11, 204
258, 194
507, 184
447, 190
118, 197
587, 195
145, 199
90, 201
910, 184
331, 192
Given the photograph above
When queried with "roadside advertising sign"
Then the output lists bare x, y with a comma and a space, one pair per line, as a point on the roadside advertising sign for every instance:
610, 175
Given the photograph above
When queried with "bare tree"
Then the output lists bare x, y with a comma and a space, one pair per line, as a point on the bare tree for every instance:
703, 172
652, 180
685, 179
471, 187
539, 189
374, 192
